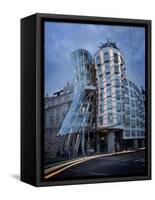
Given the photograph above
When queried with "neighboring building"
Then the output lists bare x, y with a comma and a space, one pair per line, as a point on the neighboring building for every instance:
56, 108
105, 113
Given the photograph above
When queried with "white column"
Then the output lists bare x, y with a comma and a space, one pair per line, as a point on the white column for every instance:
111, 141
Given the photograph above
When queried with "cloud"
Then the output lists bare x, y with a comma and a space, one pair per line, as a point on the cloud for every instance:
63, 38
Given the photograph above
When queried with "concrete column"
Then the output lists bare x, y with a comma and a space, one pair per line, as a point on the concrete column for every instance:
97, 144
135, 144
111, 141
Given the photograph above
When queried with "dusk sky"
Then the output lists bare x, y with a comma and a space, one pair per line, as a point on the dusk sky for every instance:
61, 39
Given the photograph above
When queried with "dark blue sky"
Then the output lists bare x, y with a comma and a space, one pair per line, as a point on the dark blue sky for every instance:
63, 38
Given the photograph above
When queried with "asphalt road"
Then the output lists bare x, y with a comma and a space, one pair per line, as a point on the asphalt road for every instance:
128, 164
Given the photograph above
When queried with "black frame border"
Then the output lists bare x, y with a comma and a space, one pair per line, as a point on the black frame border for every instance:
40, 92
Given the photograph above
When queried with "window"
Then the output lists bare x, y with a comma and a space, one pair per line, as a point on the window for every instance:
127, 110
98, 61
133, 132
127, 121
133, 123
119, 119
126, 91
116, 70
133, 103
110, 117
133, 113
131, 93
109, 104
102, 84
118, 107
125, 82
106, 57
108, 80
116, 57
101, 108
123, 119
127, 100
107, 69
100, 120
122, 61
118, 94
108, 92
137, 113
130, 84
117, 82
127, 133
101, 96
138, 133
100, 70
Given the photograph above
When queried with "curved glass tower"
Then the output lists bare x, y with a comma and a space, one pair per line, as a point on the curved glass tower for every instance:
80, 115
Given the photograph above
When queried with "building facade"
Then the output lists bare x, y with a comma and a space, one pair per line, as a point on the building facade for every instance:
105, 112
56, 108
120, 104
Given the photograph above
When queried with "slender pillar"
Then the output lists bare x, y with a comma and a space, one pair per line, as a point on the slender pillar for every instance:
97, 143
135, 144
111, 141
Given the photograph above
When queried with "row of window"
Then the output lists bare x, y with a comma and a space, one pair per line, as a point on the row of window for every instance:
129, 133
107, 58
109, 106
134, 123
107, 69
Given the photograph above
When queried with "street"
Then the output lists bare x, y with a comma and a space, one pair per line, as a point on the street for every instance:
125, 164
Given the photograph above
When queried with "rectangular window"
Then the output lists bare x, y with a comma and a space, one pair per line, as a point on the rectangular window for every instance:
127, 121
109, 104
116, 57
117, 82
101, 108
101, 96
127, 110
100, 70
118, 94
108, 80
107, 69
102, 84
130, 84
110, 117
100, 120
123, 119
133, 103
127, 133
106, 57
119, 119
126, 91
131, 93
126, 82
98, 61
133, 113
118, 107
127, 100
133, 132
109, 92
122, 61
116, 69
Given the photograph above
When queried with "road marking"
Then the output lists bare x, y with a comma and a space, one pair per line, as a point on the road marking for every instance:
52, 171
